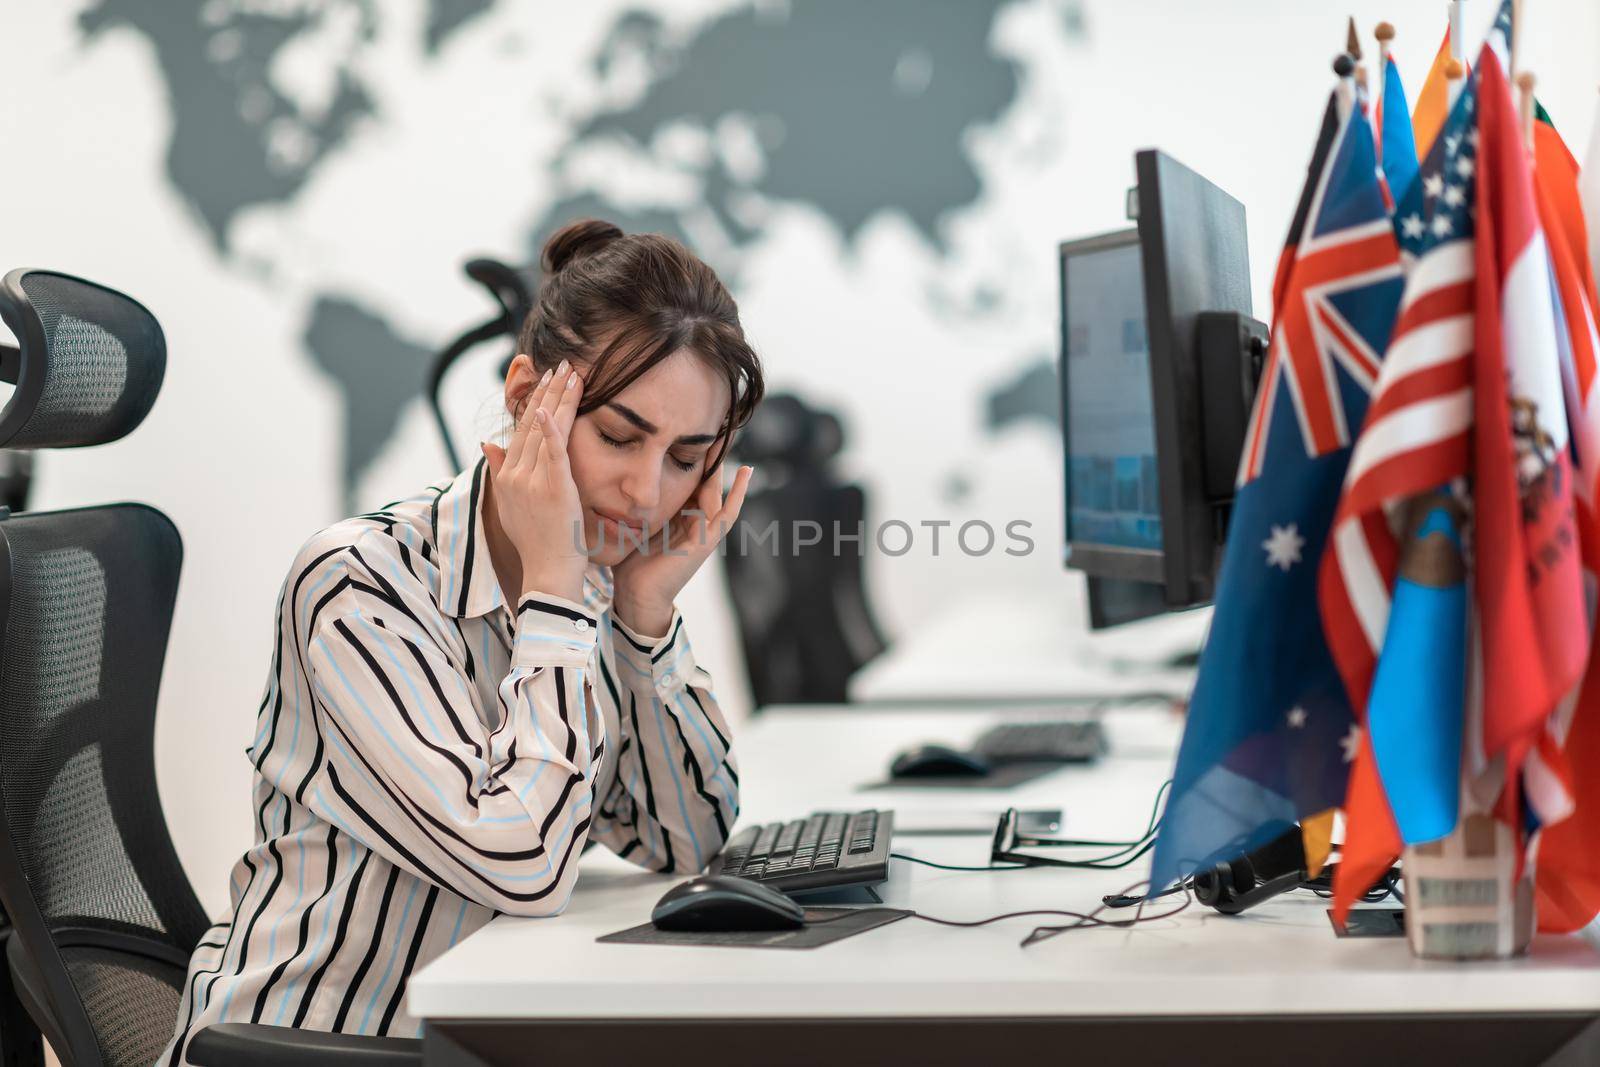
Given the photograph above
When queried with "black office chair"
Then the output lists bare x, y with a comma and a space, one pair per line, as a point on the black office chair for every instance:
512, 288
104, 918
805, 621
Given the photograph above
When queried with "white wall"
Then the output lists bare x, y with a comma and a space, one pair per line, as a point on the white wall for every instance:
241, 450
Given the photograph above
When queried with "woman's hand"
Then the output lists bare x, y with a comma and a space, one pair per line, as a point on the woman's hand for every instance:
535, 497
648, 580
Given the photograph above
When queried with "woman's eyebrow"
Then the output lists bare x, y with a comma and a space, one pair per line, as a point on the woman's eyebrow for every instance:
649, 427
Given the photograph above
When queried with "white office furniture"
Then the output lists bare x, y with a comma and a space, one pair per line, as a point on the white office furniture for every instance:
1010, 648
1271, 986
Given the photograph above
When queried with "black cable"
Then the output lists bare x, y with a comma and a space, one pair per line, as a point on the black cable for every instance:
1043, 933
1124, 855
1394, 890
1089, 919
948, 867
1123, 900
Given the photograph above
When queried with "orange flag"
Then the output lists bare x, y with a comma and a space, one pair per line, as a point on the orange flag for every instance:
1433, 101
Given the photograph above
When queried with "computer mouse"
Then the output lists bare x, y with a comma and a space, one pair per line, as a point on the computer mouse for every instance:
716, 903
937, 761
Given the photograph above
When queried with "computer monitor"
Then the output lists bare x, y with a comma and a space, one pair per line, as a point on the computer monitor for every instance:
1159, 359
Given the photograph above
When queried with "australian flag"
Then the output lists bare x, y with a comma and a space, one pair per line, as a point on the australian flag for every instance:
1270, 732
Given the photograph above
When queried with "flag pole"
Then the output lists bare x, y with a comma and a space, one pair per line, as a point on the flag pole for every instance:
1454, 71
1385, 34
1525, 83
1458, 43
1352, 47
1345, 91
1516, 35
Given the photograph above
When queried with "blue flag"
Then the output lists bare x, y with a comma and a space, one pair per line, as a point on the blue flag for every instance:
1399, 144
1270, 730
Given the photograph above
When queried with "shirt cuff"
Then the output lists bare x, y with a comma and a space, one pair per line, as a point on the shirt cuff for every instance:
667, 659
553, 631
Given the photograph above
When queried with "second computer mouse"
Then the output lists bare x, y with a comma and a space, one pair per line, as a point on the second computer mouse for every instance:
717, 903
937, 761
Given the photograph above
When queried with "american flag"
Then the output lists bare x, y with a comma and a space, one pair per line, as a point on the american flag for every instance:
1415, 438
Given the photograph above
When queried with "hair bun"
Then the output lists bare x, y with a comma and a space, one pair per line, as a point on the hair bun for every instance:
577, 240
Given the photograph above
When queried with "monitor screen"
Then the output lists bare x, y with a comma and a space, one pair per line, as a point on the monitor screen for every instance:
1113, 498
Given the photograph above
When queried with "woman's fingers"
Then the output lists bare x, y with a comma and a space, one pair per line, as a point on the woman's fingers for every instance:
728, 513
735, 498
560, 403
557, 389
552, 450
525, 424
566, 411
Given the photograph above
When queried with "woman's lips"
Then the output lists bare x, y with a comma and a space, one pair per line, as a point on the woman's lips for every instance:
620, 523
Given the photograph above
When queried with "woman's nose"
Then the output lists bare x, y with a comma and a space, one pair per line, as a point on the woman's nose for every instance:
642, 487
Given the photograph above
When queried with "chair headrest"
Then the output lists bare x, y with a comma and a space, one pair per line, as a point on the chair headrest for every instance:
786, 429
88, 364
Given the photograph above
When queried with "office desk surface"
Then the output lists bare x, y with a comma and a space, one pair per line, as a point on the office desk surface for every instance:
1280, 958
1010, 648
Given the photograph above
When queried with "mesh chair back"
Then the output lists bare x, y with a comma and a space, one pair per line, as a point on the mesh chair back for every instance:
88, 872
804, 621
89, 365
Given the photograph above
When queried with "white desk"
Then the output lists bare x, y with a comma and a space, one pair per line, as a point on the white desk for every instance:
913, 992
1029, 649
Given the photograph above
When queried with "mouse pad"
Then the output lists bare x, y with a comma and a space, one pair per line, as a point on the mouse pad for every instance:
1004, 776
858, 921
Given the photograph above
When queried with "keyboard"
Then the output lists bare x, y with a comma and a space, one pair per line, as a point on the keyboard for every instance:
826, 850
1066, 741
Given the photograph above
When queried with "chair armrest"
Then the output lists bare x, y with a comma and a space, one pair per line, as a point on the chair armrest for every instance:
252, 1045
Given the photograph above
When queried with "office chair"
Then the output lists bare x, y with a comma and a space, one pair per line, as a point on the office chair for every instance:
103, 917
805, 622
510, 287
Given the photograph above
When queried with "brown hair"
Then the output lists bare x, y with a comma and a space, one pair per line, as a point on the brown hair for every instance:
646, 296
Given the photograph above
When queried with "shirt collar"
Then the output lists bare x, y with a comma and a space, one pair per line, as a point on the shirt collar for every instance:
468, 586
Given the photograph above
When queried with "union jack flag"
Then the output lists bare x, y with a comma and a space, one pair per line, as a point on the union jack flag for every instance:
1337, 250
1269, 730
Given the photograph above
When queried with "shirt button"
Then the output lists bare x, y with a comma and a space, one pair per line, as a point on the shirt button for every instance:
668, 678
580, 625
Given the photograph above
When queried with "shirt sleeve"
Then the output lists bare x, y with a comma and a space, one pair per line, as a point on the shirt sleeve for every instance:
499, 815
677, 787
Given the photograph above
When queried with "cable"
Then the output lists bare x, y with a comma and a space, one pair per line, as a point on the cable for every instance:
1112, 861
1044, 933
948, 867
1038, 934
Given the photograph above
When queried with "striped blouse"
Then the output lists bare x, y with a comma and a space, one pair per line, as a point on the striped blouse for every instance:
426, 759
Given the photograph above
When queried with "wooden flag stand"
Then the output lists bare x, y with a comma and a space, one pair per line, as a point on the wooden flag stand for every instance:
1463, 899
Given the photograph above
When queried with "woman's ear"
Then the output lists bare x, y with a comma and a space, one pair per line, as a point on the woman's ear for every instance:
520, 382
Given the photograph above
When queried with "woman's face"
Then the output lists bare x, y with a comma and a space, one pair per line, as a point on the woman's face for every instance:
640, 457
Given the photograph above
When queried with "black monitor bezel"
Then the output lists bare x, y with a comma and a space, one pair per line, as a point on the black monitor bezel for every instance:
1107, 561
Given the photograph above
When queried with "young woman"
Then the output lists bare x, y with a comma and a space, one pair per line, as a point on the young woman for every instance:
471, 684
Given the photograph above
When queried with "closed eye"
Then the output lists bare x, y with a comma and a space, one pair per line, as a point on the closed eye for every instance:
618, 444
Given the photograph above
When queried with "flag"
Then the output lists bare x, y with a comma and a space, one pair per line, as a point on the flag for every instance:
1415, 440
1471, 388
1433, 102
1567, 871
1331, 120
1269, 725
1397, 150
1530, 591
1589, 195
